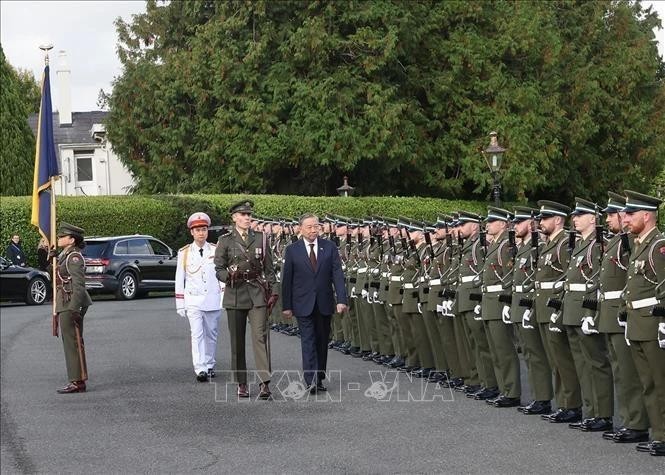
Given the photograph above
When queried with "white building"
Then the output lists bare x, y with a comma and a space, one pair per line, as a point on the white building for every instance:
88, 164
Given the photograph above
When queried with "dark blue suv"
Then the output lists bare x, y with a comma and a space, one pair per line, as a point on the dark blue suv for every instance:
128, 266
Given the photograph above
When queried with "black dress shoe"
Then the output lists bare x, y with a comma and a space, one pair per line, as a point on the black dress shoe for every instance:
398, 363
415, 370
563, 416
491, 401
643, 447
657, 448
609, 434
355, 351
504, 401
242, 390
630, 436
317, 388
264, 391
436, 377
202, 377
331, 344
406, 369
597, 424
370, 356
472, 389
488, 393
73, 387
576, 425
455, 383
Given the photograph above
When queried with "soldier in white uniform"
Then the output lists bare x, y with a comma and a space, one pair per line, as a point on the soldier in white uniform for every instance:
198, 295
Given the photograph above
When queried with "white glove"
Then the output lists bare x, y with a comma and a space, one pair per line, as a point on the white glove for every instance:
661, 335
554, 317
505, 315
439, 308
182, 312
476, 310
375, 297
526, 319
588, 326
353, 293
449, 308
420, 308
622, 324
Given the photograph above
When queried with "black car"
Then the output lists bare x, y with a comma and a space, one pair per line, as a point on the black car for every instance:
24, 284
128, 266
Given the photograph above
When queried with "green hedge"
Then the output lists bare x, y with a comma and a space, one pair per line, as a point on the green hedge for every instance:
164, 216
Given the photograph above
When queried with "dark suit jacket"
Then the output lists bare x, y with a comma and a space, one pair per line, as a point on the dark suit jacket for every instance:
302, 287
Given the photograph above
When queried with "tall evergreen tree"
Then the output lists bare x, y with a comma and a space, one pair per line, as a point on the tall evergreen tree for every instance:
17, 154
289, 96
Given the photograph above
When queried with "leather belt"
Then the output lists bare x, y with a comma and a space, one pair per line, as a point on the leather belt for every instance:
638, 304
468, 278
435, 282
246, 275
612, 294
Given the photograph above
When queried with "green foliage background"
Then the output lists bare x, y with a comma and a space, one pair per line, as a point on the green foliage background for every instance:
286, 97
17, 144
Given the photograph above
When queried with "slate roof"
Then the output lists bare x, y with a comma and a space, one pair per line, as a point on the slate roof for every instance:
78, 132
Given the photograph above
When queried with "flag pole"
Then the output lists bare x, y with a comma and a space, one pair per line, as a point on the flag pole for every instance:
52, 238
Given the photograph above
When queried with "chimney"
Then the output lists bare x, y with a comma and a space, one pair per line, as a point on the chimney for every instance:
64, 90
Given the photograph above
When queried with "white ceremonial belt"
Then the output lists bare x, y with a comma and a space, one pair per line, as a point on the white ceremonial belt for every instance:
408, 286
637, 304
611, 295
493, 288
362, 270
435, 282
422, 279
576, 287
519, 288
545, 285
468, 278
396, 278
385, 274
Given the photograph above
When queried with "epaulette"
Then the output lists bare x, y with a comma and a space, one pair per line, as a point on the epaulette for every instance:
183, 247
213, 244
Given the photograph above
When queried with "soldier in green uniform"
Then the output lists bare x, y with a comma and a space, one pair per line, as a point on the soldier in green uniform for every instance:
71, 304
469, 296
497, 275
552, 263
613, 277
522, 312
428, 299
377, 265
420, 358
586, 344
244, 262
646, 271
390, 292
456, 345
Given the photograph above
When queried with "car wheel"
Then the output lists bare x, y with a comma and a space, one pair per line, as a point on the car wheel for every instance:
37, 291
128, 288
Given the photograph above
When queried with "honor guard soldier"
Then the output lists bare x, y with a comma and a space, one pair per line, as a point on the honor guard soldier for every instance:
495, 308
587, 346
244, 262
552, 263
71, 304
523, 311
391, 279
198, 295
613, 277
646, 273
469, 297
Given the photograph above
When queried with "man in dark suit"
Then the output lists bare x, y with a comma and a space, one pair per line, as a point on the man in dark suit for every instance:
312, 268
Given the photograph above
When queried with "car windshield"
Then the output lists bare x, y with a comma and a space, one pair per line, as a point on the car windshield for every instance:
94, 249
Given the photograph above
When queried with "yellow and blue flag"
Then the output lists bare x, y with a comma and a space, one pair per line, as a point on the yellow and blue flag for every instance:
46, 165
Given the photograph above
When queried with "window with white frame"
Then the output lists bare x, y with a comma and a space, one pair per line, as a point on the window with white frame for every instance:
84, 167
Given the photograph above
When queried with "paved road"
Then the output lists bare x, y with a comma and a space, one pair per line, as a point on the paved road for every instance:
145, 413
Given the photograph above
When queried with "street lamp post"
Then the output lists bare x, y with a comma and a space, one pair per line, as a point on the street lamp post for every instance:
345, 190
493, 157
